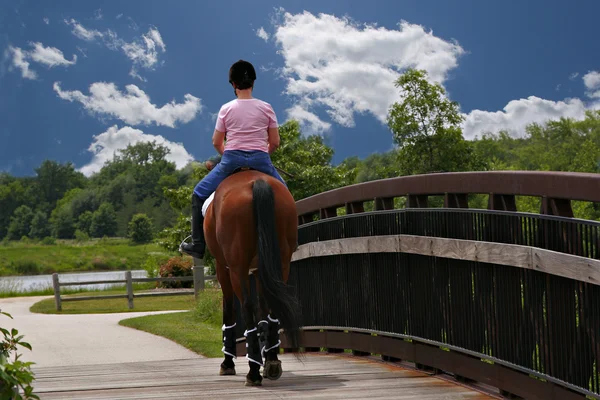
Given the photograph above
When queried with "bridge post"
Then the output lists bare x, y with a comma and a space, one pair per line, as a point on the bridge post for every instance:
56, 286
417, 201
355, 207
456, 200
502, 202
198, 271
329, 212
558, 207
384, 203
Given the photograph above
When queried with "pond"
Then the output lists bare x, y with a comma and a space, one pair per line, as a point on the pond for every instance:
40, 282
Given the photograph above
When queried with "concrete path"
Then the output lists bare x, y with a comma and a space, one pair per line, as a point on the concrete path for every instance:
61, 340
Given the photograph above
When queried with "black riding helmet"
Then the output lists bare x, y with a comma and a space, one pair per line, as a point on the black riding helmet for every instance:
243, 74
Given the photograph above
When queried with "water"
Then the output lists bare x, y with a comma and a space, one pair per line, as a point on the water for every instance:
40, 282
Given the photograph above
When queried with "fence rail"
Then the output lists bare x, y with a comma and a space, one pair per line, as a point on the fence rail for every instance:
198, 278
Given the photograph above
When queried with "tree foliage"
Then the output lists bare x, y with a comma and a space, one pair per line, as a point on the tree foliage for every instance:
425, 125
104, 221
140, 229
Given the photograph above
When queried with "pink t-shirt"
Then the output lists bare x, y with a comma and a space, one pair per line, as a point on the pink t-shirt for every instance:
245, 123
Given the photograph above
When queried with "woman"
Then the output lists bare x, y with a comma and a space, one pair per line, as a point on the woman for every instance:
252, 134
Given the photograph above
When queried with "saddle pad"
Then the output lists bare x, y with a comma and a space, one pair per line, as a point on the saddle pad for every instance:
207, 203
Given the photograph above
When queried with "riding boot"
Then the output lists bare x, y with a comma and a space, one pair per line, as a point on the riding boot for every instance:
198, 245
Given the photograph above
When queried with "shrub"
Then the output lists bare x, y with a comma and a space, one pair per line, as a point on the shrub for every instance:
209, 308
14, 373
154, 262
81, 236
140, 229
100, 263
174, 267
26, 267
49, 241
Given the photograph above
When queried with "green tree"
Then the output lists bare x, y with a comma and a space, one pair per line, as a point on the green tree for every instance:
104, 221
20, 223
377, 166
84, 222
308, 160
140, 229
13, 193
425, 124
54, 180
61, 221
40, 227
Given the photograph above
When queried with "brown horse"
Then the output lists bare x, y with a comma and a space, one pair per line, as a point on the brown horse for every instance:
251, 228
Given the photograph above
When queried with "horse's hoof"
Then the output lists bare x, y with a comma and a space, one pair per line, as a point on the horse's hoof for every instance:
250, 382
227, 371
272, 370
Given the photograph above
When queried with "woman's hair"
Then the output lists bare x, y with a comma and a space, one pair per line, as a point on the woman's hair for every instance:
242, 73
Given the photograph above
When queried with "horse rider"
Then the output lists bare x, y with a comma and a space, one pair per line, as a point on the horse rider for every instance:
252, 134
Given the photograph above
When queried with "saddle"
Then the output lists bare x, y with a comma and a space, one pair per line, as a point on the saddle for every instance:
212, 196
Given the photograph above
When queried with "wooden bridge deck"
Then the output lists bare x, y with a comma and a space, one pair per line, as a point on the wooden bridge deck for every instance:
320, 377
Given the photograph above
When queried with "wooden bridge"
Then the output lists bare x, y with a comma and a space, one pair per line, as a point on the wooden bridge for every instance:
320, 377
493, 297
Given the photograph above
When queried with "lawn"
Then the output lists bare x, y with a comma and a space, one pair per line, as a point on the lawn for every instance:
23, 258
198, 330
184, 328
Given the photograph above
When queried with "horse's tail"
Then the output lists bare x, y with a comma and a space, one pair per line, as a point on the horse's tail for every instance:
278, 295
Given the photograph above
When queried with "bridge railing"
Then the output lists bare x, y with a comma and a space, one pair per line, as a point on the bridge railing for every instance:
504, 298
555, 189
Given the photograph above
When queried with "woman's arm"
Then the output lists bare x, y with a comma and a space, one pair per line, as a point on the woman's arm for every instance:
274, 139
218, 140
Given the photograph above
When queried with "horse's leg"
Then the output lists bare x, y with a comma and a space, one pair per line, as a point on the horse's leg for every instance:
253, 349
268, 336
229, 348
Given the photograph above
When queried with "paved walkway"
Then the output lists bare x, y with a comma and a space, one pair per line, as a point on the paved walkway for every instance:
60, 340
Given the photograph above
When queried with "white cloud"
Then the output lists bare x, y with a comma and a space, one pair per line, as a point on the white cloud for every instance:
82, 51
47, 20
311, 123
134, 74
261, 33
517, 114
144, 51
133, 106
119, 16
591, 80
106, 144
347, 69
83, 33
19, 60
335, 65
50, 56
574, 76
98, 14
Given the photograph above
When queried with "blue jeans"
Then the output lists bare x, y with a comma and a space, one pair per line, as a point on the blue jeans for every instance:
231, 160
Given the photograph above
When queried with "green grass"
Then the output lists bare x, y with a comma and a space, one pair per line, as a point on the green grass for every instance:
22, 258
198, 330
183, 302
184, 328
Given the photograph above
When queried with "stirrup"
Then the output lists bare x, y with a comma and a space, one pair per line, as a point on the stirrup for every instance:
184, 242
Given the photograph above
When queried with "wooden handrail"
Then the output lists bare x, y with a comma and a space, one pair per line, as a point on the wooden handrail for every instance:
556, 189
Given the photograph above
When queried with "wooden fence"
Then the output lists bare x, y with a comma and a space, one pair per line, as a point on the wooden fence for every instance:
198, 278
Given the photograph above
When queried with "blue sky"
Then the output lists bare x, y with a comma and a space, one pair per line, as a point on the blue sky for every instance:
80, 80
